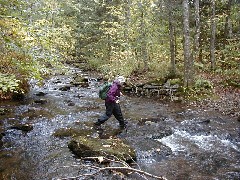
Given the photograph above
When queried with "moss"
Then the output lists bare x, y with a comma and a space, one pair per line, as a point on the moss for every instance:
156, 82
233, 83
4, 111
71, 132
175, 81
90, 147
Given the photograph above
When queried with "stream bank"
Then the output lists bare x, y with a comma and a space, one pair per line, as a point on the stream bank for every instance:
170, 139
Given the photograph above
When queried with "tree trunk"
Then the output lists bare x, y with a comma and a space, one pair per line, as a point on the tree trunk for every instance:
127, 5
197, 33
188, 79
226, 28
172, 40
144, 51
213, 37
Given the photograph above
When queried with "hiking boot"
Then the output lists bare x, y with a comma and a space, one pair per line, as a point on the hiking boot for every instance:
97, 126
123, 126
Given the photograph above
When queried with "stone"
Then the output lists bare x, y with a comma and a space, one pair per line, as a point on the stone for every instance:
65, 88
4, 111
23, 127
40, 94
80, 81
72, 132
41, 101
94, 147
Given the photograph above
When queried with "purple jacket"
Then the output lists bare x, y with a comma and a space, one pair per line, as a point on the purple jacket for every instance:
114, 92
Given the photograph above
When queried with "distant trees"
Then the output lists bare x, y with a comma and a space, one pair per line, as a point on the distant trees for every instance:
151, 37
160, 38
33, 37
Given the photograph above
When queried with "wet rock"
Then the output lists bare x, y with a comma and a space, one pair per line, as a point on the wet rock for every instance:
41, 94
4, 111
94, 147
160, 135
1, 143
81, 84
1, 136
205, 121
85, 130
151, 120
71, 104
80, 81
18, 96
65, 88
79, 96
71, 132
23, 127
35, 112
41, 101
57, 81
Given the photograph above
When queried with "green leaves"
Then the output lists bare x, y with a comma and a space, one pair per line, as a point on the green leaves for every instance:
9, 83
203, 84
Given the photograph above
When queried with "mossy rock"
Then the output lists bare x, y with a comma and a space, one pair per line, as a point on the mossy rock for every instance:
4, 111
95, 147
71, 132
174, 81
80, 81
156, 82
23, 127
233, 83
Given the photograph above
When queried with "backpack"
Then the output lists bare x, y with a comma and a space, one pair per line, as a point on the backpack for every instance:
103, 90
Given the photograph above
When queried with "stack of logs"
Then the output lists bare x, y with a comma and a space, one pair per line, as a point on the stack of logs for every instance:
152, 90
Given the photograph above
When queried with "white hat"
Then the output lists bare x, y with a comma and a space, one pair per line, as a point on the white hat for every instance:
121, 79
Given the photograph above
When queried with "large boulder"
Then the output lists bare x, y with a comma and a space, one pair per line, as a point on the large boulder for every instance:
94, 147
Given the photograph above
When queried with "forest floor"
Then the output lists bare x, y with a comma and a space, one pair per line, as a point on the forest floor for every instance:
225, 99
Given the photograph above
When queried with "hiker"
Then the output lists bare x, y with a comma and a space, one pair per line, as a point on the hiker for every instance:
112, 105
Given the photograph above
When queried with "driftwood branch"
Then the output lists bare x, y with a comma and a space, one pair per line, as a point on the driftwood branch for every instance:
124, 167
116, 169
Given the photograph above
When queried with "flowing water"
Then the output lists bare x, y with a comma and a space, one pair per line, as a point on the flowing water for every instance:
171, 140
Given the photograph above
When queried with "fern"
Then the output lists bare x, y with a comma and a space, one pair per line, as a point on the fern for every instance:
9, 83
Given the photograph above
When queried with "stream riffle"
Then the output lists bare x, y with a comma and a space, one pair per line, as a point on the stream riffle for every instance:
171, 139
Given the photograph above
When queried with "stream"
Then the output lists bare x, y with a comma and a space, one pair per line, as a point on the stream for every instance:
171, 139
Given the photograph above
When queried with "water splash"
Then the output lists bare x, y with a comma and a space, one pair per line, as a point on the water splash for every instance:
183, 141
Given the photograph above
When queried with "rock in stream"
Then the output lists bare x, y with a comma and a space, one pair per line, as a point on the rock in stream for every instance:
94, 147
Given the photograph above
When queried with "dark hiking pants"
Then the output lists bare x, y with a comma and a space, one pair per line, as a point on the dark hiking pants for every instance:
112, 109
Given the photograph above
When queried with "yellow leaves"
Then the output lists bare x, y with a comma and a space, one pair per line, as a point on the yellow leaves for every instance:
12, 30
9, 22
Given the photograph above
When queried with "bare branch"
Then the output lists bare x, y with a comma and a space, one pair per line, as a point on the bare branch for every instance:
118, 169
123, 167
